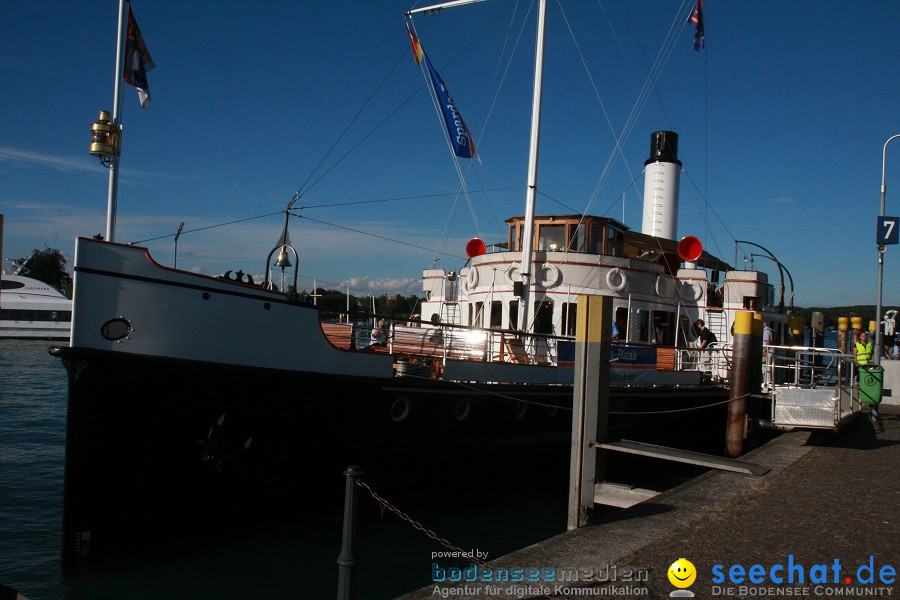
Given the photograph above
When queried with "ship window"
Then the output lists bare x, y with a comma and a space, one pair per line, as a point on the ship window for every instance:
684, 332
621, 320
576, 238
543, 317
115, 329
663, 328
552, 238
19, 314
496, 314
10, 285
514, 314
615, 240
479, 315
643, 326
569, 317
515, 237
596, 240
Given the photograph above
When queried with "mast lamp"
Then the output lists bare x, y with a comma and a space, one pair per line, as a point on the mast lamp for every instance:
105, 138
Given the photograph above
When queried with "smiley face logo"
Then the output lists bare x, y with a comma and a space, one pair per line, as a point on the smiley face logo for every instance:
682, 573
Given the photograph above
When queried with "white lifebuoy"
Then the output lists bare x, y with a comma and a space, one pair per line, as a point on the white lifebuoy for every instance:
463, 410
550, 275
692, 291
611, 277
661, 285
513, 274
400, 410
472, 278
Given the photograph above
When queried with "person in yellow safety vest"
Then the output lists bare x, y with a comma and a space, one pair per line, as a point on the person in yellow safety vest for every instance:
862, 351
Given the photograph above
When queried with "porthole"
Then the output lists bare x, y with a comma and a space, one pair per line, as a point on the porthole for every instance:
116, 329
267, 306
463, 410
400, 410
206, 295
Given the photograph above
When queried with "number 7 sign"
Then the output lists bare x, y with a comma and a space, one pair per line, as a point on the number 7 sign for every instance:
888, 231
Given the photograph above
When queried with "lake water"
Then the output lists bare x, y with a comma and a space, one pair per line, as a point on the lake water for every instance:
32, 451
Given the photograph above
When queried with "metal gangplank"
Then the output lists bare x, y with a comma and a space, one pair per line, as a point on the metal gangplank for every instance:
815, 388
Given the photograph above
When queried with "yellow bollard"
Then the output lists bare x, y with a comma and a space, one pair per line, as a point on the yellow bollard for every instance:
743, 367
797, 329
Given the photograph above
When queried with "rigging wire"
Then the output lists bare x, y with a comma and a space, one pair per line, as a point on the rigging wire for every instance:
470, 167
162, 237
498, 87
381, 237
442, 123
564, 205
419, 197
649, 84
617, 149
301, 190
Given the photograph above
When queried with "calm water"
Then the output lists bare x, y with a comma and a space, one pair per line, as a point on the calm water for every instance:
489, 498
32, 450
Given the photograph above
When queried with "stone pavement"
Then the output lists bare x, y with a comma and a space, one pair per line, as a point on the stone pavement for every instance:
828, 497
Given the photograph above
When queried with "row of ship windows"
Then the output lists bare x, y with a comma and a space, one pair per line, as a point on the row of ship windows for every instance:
14, 314
654, 326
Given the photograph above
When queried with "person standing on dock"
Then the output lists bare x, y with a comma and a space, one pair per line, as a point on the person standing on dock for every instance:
862, 351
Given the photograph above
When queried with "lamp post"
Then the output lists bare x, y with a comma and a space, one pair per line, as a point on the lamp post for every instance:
177, 235
781, 267
881, 249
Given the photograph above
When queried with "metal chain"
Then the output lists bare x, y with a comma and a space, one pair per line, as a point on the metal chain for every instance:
384, 504
416, 525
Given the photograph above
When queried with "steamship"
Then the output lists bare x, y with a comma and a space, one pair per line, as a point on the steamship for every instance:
196, 382
192, 396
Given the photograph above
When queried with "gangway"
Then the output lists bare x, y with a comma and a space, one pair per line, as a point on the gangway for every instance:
814, 388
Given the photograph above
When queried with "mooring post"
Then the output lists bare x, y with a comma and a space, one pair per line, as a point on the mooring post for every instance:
817, 330
590, 404
742, 379
796, 335
843, 326
347, 558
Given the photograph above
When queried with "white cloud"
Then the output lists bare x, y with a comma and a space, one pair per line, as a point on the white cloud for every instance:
61, 163
398, 285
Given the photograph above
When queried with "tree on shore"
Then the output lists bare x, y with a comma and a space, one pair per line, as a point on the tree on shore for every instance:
47, 265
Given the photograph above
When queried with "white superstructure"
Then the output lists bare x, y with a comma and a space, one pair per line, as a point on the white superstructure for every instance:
32, 309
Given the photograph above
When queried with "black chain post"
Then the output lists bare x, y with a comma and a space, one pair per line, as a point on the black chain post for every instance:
347, 558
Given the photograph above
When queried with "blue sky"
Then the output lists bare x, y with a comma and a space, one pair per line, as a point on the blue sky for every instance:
782, 121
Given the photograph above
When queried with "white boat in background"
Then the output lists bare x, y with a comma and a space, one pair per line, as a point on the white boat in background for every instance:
31, 309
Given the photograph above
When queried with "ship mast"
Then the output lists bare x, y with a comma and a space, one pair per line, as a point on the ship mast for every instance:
527, 246
531, 191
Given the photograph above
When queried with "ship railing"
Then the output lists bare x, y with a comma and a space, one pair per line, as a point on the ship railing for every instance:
715, 360
811, 387
802, 366
427, 343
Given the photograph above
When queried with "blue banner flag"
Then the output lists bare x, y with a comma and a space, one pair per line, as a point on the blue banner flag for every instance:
460, 137
137, 61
